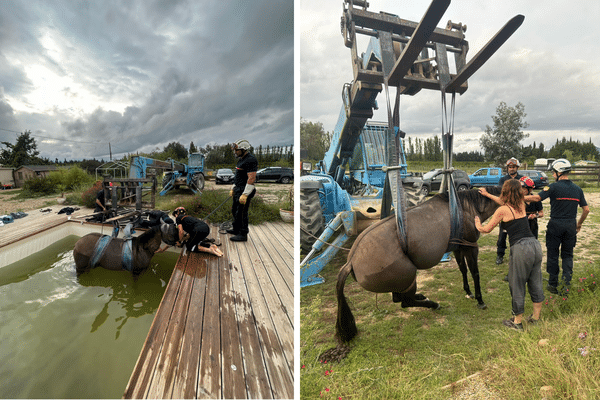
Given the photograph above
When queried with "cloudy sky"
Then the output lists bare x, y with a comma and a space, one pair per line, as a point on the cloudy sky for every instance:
141, 74
551, 65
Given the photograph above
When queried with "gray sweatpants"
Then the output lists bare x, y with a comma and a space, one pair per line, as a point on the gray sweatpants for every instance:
525, 270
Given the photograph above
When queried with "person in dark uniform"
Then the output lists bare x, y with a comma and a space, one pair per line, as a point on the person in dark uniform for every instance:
197, 230
243, 189
561, 233
534, 209
100, 205
525, 260
512, 169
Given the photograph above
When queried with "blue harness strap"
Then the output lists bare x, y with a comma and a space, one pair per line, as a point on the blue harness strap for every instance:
99, 250
456, 216
127, 252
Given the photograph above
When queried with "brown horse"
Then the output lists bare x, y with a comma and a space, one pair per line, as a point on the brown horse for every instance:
143, 248
379, 265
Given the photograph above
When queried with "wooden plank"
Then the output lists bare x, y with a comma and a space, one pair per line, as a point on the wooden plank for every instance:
257, 379
270, 320
187, 372
209, 372
234, 382
280, 241
164, 371
283, 233
271, 258
144, 368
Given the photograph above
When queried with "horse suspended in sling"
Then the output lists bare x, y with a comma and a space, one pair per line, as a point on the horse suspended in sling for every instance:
379, 265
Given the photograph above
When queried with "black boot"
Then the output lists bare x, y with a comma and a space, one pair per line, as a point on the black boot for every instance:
232, 231
239, 238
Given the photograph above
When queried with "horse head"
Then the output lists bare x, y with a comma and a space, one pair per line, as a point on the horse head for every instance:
169, 233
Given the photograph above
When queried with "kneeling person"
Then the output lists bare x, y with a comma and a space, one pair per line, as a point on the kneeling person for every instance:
197, 230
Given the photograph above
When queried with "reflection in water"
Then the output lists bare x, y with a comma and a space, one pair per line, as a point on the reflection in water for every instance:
64, 336
134, 297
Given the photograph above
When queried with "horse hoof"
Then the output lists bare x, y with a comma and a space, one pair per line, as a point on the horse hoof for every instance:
438, 306
482, 306
470, 296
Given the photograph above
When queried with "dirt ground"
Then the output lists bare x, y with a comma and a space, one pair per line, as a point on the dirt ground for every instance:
270, 192
8, 204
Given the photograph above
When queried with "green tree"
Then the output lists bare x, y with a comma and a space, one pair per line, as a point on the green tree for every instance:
314, 139
503, 141
23, 152
176, 151
193, 148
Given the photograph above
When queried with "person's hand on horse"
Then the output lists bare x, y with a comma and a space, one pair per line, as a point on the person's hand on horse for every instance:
243, 199
483, 191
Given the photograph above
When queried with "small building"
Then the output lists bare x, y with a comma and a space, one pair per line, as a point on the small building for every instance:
7, 179
27, 172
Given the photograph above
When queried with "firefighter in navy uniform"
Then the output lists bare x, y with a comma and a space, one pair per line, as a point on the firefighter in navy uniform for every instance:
512, 172
243, 189
562, 229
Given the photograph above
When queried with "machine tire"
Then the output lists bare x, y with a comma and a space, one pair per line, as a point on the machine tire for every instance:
311, 218
414, 196
285, 179
461, 188
425, 190
167, 178
199, 181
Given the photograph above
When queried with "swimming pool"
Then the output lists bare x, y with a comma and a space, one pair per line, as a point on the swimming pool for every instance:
64, 336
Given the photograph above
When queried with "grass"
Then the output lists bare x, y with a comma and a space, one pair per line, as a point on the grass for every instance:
414, 353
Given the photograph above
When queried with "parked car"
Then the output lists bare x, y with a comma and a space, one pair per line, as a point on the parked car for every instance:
486, 177
539, 177
432, 180
277, 174
224, 175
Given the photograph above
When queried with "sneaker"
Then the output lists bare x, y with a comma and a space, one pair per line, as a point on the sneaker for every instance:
499, 260
532, 321
239, 238
511, 324
552, 289
231, 231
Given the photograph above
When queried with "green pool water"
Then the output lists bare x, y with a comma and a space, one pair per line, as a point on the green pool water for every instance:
63, 336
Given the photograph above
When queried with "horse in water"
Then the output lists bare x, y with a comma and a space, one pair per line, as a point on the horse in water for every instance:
379, 265
117, 254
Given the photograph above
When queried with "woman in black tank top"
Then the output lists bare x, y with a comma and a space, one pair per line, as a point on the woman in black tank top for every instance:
525, 251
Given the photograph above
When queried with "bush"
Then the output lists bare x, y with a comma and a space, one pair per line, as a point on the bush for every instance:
88, 198
43, 186
72, 178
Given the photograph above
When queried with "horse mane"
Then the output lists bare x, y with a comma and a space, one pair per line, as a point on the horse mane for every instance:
149, 234
472, 197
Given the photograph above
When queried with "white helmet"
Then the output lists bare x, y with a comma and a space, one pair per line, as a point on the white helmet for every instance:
241, 144
514, 161
561, 166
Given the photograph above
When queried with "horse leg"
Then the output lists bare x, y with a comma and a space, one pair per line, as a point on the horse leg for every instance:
471, 253
345, 326
462, 266
410, 298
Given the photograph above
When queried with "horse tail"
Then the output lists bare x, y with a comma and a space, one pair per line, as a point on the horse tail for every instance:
345, 327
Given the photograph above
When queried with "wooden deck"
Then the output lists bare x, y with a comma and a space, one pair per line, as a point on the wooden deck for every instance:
225, 326
36, 222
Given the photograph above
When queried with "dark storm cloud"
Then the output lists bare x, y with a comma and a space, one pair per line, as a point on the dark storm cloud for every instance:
183, 71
